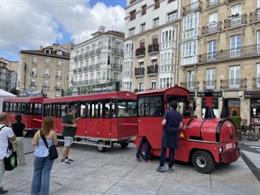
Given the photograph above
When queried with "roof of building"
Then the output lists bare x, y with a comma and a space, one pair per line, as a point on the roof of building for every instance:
53, 49
100, 33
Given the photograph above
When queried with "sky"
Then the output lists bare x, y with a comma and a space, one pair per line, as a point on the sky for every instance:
30, 24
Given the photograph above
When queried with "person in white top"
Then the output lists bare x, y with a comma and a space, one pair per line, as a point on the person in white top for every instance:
6, 134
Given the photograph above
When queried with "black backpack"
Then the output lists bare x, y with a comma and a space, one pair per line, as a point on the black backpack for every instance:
53, 154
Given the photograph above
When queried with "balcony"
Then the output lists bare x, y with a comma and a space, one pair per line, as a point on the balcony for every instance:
235, 21
233, 84
139, 72
209, 84
152, 70
230, 54
212, 3
197, 6
191, 85
211, 28
46, 76
255, 16
153, 48
140, 52
256, 82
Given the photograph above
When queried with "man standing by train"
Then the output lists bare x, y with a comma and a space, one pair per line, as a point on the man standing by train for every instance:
70, 127
171, 124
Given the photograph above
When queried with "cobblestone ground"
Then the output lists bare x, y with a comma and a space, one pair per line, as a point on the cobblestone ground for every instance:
117, 172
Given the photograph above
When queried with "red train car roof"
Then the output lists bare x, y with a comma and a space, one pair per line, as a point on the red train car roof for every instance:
176, 91
25, 99
125, 95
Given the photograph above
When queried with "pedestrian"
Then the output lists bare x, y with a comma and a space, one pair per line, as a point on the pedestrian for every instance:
6, 135
18, 145
171, 124
144, 150
42, 163
70, 127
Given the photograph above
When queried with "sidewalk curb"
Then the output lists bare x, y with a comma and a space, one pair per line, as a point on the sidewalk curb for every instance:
251, 166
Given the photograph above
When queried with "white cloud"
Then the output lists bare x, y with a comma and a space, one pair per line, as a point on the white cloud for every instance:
28, 24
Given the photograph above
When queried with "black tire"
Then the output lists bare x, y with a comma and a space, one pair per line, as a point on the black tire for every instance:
124, 144
100, 147
203, 162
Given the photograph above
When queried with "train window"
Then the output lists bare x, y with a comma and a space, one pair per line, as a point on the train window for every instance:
4, 106
106, 110
83, 110
95, 110
150, 106
18, 107
63, 110
37, 109
31, 108
126, 108
15, 107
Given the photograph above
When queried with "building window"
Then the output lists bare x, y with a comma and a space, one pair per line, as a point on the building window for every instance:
258, 75
258, 3
34, 60
258, 41
142, 44
189, 49
34, 71
46, 73
210, 78
46, 84
172, 16
132, 32
33, 83
156, 22
212, 47
59, 63
144, 9
155, 40
191, 79
142, 27
234, 76
156, 4
171, 1
140, 86
235, 43
132, 15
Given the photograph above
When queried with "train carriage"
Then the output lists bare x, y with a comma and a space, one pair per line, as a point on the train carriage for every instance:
105, 118
29, 107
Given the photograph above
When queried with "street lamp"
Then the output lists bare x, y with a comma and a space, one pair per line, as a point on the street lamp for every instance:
24, 68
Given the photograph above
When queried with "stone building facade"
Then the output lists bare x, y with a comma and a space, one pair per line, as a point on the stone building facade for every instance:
151, 44
8, 75
228, 60
44, 71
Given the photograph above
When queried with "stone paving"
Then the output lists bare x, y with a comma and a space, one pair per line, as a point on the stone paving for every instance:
116, 172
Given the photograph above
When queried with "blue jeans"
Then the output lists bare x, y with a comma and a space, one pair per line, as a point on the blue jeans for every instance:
41, 175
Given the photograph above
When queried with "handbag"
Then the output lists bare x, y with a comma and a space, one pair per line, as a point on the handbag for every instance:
11, 160
53, 154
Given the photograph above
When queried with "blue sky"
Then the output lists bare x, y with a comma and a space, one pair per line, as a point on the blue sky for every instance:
29, 24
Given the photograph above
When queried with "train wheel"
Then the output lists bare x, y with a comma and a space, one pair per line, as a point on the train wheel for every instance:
124, 144
100, 146
203, 161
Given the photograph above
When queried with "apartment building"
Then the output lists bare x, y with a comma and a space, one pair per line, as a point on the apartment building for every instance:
151, 44
228, 60
8, 77
96, 64
44, 71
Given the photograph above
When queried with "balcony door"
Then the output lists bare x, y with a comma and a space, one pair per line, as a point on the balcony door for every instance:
210, 78
235, 43
213, 20
258, 75
236, 12
212, 47
191, 80
258, 41
234, 77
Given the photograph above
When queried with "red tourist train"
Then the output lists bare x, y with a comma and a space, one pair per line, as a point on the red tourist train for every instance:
204, 142
105, 118
29, 107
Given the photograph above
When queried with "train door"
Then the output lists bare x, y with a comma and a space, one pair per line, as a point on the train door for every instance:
93, 121
82, 124
105, 119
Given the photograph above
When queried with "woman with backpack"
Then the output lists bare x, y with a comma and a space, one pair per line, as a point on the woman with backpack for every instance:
42, 161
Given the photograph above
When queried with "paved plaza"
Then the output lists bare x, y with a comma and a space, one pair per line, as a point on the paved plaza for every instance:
117, 172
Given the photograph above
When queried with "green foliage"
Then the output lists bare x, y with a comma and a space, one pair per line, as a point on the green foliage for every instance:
236, 120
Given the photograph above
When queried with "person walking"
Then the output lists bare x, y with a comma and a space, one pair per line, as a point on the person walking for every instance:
18, 145
70, 127
6, 135
42, 163
171, 124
